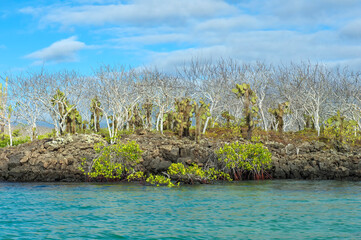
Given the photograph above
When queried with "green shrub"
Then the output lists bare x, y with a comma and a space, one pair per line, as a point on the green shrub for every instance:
136, 176
20, 140
115, 161
245, 160
188, 174
160, 180
16, 133
16, 140
51, 134
178, 173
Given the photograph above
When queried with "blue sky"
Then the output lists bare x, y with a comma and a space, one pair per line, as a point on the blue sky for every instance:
82, 34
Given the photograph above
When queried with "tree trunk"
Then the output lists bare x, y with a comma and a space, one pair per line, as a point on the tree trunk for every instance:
205, 125
2, 128
198, 124
97, 124
10, 134
157, 124
73, 125
33, 129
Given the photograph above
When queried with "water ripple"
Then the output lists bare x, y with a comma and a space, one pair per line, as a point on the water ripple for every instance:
245, 210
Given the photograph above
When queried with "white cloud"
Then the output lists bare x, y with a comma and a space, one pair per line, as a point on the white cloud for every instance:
352, 30
2, 46
139, 12
64, 50
168, 33
152, 39
271, 46
306, 13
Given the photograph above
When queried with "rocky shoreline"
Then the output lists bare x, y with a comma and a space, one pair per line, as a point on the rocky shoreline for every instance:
54, 160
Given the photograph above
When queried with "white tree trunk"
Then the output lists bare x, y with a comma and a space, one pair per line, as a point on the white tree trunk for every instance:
10, 134
33, 131
317, 122
205, 125
158, 120
161, 120
263, 118
95, 120
56, 127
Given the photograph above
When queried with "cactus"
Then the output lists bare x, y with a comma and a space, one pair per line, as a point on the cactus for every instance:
59, 100
226, 115
184, 113
278, 113
308, 122
96, 114
73, 120
201, 112
136, 119
337, 124
84, 125
250, 111
148, 107
169, 120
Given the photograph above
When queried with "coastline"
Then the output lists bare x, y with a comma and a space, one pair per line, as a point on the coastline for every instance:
58, 160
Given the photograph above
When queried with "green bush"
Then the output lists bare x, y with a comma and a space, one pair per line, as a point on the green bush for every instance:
51, 134
245, 160
5, 140
115, 161
16, 133
177, 173
160, 180
194, 173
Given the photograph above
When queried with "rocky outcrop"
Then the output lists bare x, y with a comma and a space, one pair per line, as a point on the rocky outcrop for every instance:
60, 159
47, 160
315, 160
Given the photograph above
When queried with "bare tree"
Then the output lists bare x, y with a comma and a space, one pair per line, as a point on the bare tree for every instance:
118, 95
27, 108
59, 94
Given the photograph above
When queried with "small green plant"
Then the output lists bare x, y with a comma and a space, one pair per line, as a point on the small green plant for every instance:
47, 135
160, 180
136, 176
16, 133
256, 139
245, 159
5, 140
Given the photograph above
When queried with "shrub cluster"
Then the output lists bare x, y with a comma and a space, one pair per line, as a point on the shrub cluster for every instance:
245, 160
119, 162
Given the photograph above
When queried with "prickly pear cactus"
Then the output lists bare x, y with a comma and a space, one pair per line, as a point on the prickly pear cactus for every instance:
278, 113
184, 111
243, 91
201, 112
228, 117
148, 108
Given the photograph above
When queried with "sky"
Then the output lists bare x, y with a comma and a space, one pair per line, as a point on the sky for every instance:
82, 34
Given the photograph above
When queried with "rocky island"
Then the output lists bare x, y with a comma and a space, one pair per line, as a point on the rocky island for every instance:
59, 159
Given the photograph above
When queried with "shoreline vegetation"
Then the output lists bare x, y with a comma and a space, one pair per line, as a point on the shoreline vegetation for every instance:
243, 112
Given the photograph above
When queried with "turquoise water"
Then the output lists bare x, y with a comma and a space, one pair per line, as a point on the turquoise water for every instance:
246, 210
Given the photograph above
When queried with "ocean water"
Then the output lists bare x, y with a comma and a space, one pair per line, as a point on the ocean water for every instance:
244, 210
